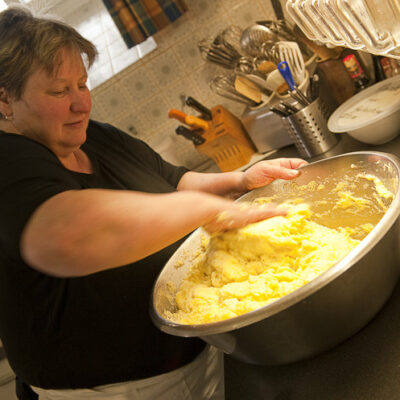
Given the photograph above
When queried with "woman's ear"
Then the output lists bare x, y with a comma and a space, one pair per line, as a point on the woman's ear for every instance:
5, 104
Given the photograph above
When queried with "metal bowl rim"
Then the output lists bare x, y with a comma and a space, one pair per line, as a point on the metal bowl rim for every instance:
380, 230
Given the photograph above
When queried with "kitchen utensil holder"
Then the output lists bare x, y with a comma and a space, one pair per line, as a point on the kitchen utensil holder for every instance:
308, 129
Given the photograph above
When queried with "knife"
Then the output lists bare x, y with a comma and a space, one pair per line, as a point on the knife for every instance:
191, 102
189, 134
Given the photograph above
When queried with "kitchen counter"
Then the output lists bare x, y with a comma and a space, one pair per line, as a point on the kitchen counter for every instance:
364, 367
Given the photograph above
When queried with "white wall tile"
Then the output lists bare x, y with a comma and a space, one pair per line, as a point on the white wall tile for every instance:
117, 48
147, 47
246, 13
97, 112
203, 11
180, 89
215, 25
204, 75
166, 69
175, 148
139, 84
269, 10
154, 112
100, 74
103, 58
114, 101
188, 53
133, 124
229, 4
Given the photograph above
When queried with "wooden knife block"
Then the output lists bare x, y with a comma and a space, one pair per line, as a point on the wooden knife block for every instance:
226, 141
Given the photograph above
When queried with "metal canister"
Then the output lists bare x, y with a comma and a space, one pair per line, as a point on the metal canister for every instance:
309, 131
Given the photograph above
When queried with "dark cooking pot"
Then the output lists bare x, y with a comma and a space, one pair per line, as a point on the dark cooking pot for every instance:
327, 310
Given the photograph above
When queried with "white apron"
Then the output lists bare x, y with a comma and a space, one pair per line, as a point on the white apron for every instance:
202, 379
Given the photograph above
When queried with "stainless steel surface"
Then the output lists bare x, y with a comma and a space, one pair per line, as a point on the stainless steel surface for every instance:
321, 314
280, 28
266, 129
308, 130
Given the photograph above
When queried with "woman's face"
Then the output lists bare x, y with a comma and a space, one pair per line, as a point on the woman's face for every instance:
54, 109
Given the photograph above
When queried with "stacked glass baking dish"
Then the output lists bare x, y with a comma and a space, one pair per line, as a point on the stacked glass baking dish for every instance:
370, 25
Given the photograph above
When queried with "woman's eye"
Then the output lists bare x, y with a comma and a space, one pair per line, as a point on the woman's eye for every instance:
58, 92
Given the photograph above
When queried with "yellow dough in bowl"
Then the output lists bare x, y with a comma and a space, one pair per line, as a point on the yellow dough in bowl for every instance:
247, 268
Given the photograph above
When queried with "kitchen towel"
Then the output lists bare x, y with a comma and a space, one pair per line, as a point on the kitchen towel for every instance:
139, 19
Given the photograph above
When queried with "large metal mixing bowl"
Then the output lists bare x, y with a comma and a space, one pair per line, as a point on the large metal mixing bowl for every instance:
327, 310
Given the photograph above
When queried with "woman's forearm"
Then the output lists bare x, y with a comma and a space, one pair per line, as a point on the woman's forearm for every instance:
228, 184
234, 184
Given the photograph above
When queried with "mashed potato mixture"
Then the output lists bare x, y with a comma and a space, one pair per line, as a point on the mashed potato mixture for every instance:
244, 269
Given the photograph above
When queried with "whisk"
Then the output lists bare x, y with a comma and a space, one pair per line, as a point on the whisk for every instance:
219, 51
231, 37
270, 51
224, 85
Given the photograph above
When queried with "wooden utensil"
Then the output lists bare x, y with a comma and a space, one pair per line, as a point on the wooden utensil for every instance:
266, 67
247, 88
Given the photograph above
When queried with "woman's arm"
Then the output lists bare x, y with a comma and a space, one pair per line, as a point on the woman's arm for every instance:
234, 184
80, 232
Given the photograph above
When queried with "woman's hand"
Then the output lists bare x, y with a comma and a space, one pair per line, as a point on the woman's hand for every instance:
260, 174
264, 172
234, 184
239, 215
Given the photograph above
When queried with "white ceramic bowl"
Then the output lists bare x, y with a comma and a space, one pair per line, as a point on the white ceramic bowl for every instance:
371, 116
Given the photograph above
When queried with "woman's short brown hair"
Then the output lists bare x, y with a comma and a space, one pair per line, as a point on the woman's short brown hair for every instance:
28, 43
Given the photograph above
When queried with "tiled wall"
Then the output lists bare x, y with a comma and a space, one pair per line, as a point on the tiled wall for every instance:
138, 98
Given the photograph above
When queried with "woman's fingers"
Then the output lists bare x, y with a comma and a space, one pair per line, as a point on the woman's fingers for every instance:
264, 172
242, 215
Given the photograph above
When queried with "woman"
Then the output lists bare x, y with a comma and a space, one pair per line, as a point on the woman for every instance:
88, 218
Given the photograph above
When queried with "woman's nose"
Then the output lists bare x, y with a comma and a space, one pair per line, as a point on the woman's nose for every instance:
81, 102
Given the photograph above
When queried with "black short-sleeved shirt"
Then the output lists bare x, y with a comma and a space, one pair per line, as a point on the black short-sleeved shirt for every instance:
92, 330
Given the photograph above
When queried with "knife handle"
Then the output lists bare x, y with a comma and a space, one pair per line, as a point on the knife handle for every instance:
190, 120
177, 114
191, 102
189, 134
197, 122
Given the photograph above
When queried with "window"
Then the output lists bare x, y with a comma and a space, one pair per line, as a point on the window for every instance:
93, 21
